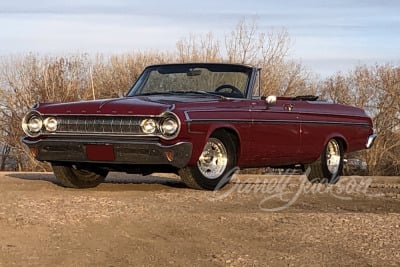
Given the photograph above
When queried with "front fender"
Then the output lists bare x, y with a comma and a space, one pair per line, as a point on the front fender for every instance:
201, 132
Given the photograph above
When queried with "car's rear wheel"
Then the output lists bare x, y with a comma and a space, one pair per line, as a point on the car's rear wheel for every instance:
214, 166
329, 166
76, 176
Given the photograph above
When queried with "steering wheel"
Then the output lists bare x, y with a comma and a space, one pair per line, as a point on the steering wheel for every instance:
234, 90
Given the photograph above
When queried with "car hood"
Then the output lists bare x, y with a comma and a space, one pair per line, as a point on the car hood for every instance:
140, 105
122, 106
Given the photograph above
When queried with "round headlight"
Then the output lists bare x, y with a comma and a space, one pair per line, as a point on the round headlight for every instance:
50, 124
148, 126
169, 126
34, 124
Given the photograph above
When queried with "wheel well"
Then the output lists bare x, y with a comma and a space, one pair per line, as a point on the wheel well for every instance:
233, 135
343, 142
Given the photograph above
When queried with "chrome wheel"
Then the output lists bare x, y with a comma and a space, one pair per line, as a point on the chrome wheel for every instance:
329, 166
333, 156
213, 160
213, 169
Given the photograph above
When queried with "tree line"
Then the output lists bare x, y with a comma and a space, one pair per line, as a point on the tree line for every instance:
30, 78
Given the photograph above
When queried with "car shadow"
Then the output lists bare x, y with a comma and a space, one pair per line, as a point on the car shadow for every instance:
38, 176
155, 182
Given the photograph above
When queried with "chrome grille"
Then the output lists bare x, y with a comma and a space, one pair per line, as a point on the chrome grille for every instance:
118, 125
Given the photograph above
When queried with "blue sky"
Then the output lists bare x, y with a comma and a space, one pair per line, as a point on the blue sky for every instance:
327, 36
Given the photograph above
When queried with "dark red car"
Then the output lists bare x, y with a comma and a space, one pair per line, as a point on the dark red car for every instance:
198, 120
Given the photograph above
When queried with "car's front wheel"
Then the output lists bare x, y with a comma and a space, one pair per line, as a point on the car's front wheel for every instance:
329, 166
215, 165
75, 176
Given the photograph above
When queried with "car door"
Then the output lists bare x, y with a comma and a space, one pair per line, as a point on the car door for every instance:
275, 131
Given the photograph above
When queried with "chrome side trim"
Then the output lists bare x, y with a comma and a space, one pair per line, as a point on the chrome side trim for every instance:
370, 141
187, 117
359, 124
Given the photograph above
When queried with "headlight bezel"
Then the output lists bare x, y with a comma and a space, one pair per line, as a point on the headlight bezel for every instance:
27, 124
169, 116
160, 125
168, 126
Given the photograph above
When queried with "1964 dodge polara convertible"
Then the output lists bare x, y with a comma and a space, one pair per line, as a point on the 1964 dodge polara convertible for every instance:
198, 120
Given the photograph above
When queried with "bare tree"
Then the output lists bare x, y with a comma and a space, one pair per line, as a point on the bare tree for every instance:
244, 43
247, 45
5, 153
376, 89
203, 48
27, 79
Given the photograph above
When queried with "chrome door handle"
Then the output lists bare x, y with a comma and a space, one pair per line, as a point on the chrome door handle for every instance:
288, 107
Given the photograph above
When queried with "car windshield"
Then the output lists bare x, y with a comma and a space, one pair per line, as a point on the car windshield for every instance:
222, 80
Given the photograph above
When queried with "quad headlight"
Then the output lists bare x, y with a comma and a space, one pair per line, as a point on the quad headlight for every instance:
35, 124
166, 126
32, 124
169, 126
148, 126
50, 124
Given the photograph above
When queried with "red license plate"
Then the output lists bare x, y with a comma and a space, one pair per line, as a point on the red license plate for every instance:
100, 152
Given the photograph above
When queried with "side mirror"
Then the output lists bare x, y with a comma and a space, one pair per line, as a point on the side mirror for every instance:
271, 100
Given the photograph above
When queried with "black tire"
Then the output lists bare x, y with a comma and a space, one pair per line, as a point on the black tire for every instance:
198, 177
74, 176
329, 166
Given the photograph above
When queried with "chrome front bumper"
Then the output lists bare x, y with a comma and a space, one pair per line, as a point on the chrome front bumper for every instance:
370, 140
111, 151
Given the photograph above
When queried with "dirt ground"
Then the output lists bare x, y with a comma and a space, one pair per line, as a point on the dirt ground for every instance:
156, 221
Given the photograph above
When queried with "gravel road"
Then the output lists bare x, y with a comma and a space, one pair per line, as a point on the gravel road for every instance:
156, 221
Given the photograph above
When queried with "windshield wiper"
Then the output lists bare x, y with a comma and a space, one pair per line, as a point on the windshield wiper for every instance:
200, 93
182, 92
155, 93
